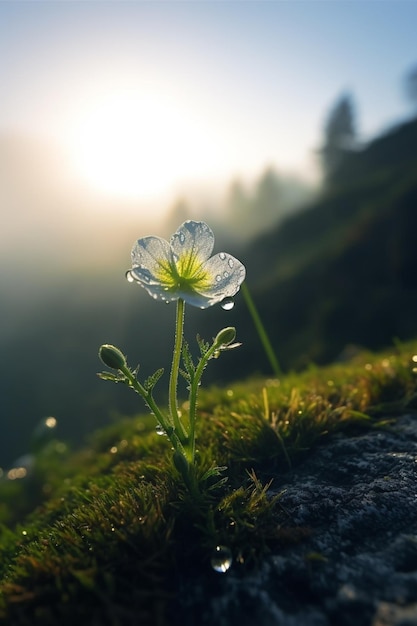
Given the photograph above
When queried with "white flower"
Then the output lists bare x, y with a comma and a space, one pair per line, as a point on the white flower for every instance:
183, 268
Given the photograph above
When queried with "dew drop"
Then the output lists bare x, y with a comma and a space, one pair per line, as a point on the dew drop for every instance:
222, 255
218, 278
160, 430
129, 276
230, 262
50, 422
225, 274
182, 238
221, 559
227, 304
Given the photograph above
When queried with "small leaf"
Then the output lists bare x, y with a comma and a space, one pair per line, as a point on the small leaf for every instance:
203, 345
151, 381
185, 375
115, 378
188, 361
218, 352
213, 471
218, 484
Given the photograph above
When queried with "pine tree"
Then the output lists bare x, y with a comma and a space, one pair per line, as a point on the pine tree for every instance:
339, 135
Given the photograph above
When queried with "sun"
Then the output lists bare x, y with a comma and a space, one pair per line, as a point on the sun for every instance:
138, 145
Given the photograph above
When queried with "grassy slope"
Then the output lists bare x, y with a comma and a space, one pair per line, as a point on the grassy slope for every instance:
114, 533
344, 270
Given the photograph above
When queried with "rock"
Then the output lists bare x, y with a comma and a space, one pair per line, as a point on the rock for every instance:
358, 497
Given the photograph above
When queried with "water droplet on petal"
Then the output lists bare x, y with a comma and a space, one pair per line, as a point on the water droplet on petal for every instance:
230, 262
225, 274
222, 255
221, 559
227, 304
182, 238
218, 278
129, 276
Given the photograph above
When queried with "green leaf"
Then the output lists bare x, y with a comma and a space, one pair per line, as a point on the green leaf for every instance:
185, 375
203, 345
115, 378
188, 362
151, 381
214, 471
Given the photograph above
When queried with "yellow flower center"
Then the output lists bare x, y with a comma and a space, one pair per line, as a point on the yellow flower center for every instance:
184, 274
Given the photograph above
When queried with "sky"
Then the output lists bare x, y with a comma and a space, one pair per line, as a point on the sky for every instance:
144, 98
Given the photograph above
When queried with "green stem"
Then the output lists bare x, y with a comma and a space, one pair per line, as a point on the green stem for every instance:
263, 336
160, 418
194, 395
173, 381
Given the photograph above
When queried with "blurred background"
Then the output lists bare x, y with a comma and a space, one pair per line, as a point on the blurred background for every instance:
290, 127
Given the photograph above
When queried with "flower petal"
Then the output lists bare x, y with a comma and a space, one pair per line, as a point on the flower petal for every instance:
152, 265
183, 268
195, 299
191, 245
228, 274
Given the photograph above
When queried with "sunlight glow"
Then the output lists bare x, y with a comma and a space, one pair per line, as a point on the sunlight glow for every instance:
138, 145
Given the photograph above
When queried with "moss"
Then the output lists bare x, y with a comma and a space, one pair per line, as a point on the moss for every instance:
108, 534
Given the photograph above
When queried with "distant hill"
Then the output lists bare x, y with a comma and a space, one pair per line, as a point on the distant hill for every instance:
344, 270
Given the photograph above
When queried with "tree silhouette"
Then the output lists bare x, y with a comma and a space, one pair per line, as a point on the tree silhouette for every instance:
268, 197
339, 135
411, 86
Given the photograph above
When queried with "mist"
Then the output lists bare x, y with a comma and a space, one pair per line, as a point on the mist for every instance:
64, 252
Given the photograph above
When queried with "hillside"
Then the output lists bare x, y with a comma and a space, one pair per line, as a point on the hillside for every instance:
344, 270
305, 530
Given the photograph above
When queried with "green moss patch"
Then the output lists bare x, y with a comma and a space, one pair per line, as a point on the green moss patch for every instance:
108, 534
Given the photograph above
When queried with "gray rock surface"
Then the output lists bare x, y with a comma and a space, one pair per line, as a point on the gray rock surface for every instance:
358, 496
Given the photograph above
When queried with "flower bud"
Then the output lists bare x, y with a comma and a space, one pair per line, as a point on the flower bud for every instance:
112, 357
225, 336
